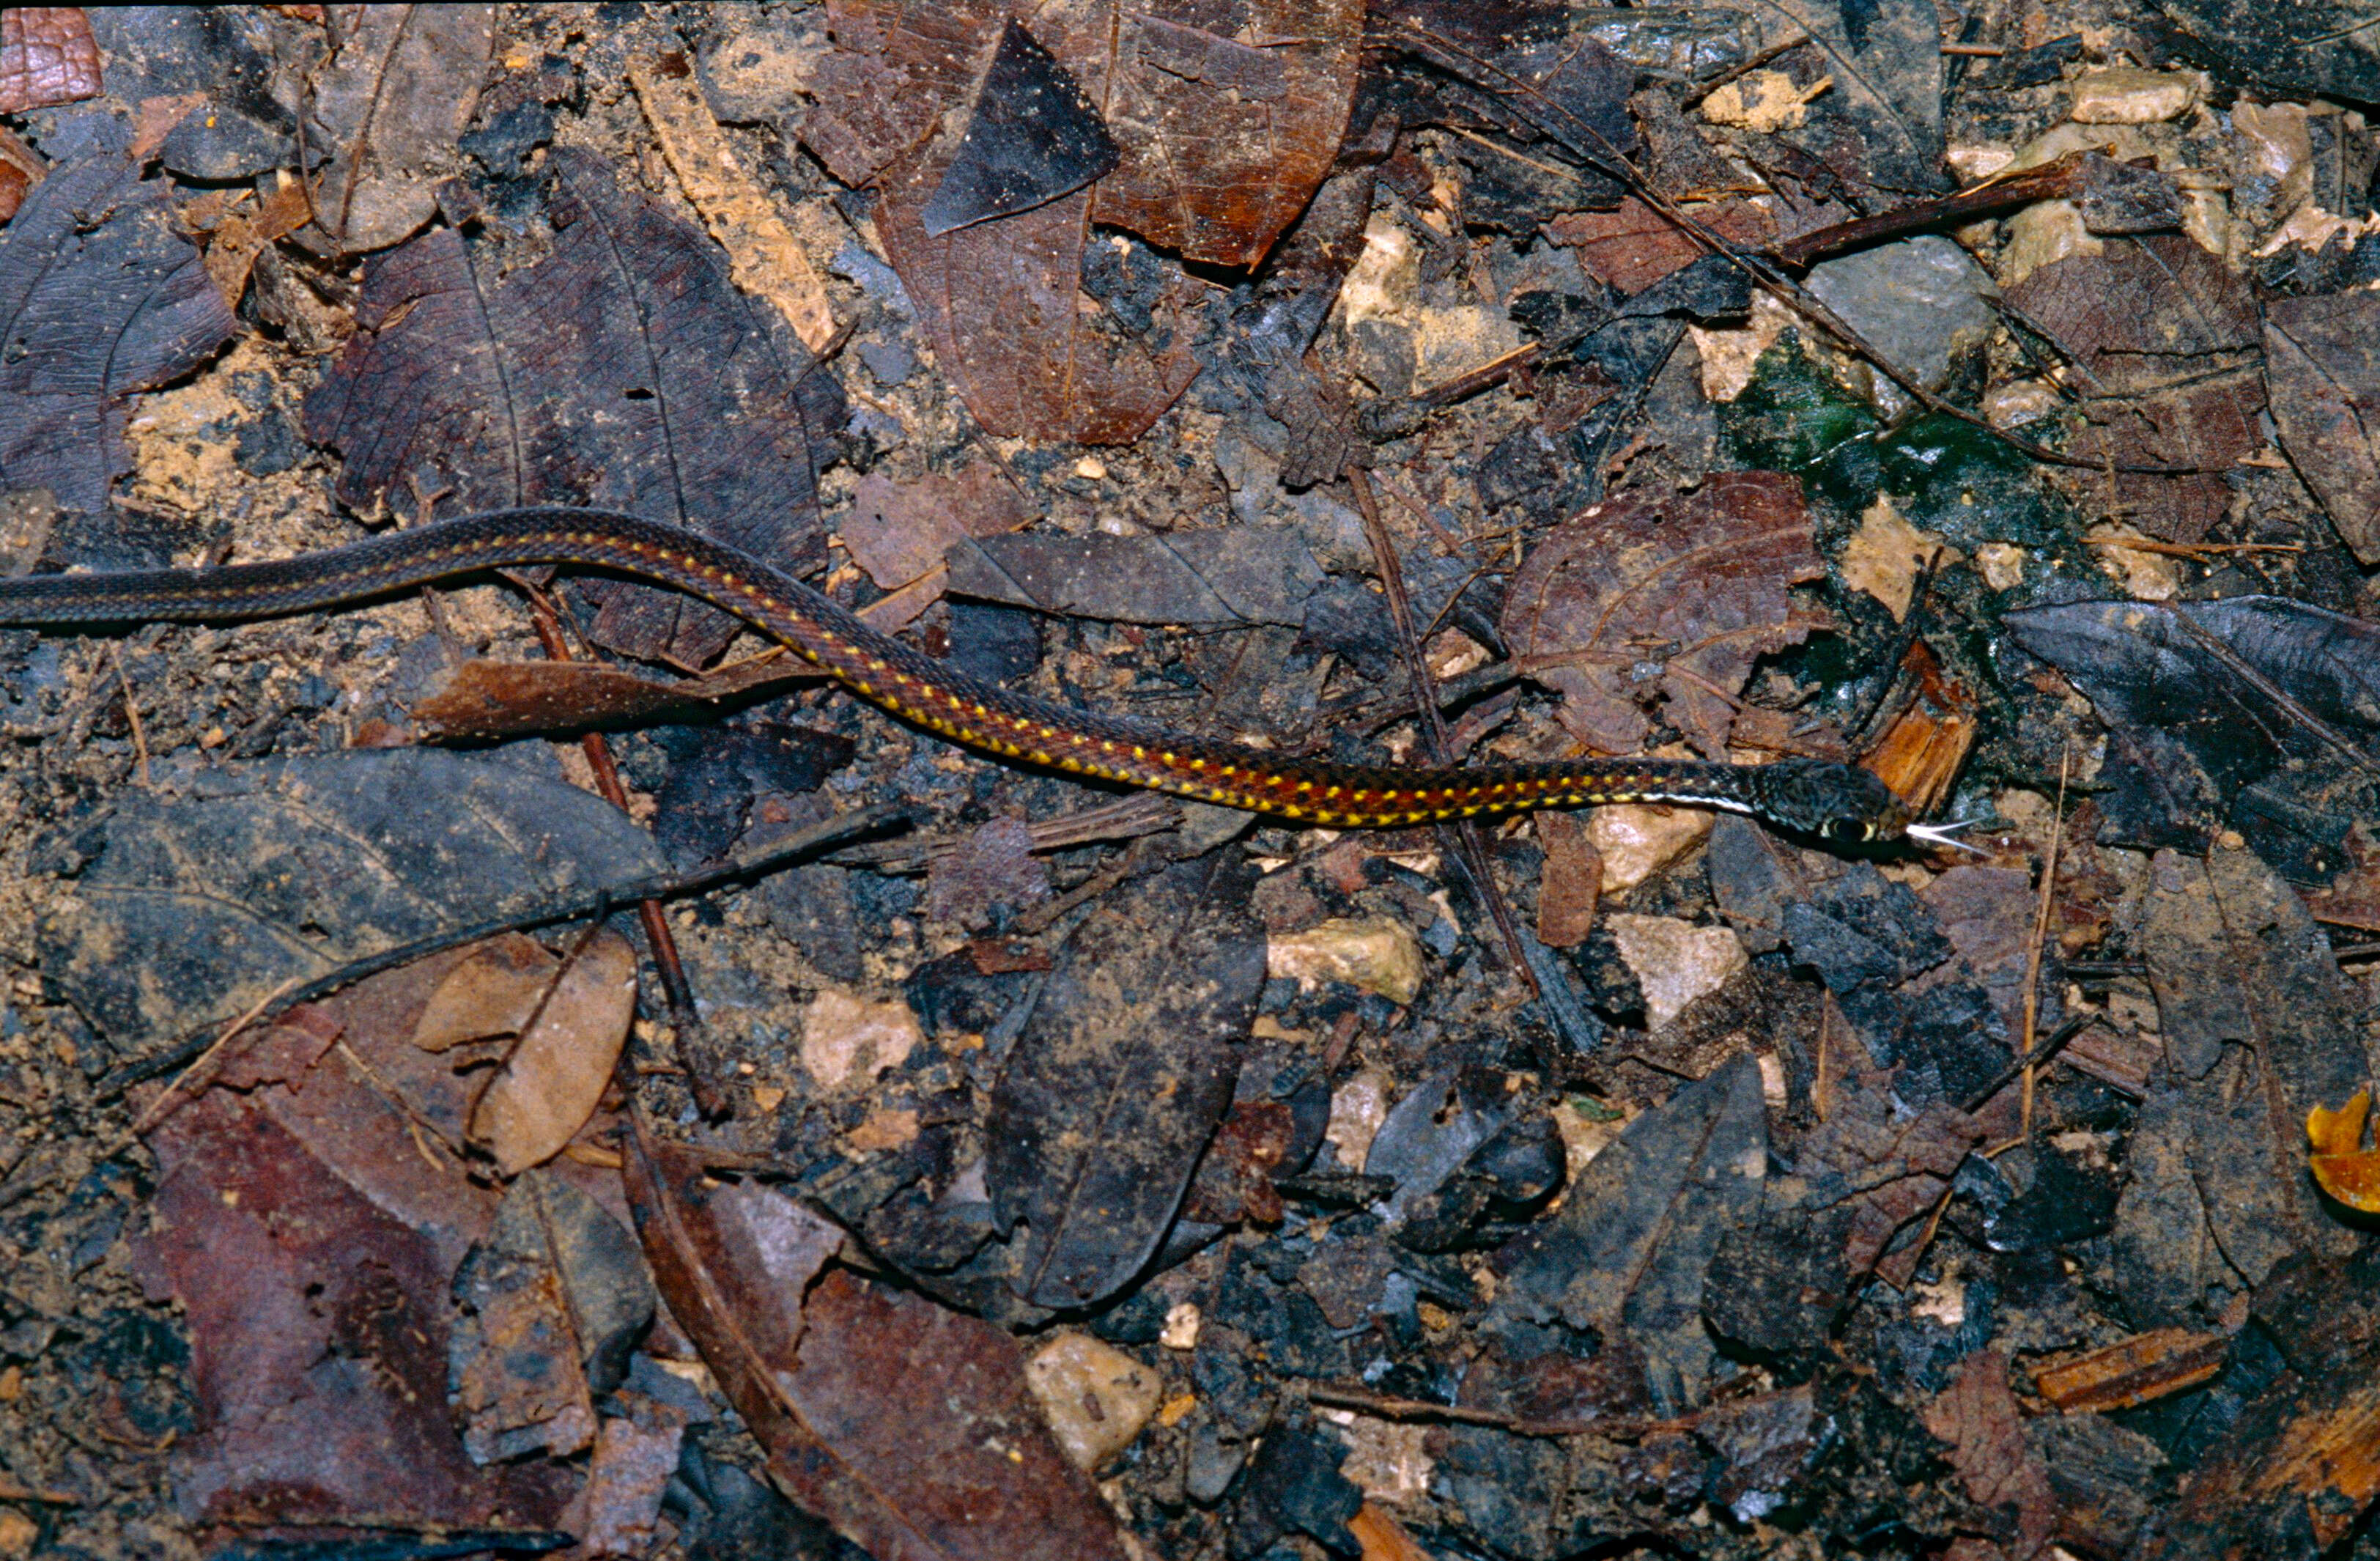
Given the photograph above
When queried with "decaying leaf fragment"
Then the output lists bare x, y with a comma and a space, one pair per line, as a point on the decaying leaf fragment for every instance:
2341, 1164
909, 1428
1697, 585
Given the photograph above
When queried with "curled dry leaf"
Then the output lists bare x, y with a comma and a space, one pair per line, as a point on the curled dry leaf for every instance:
549, 1085
495, 991
1697, 585
480, 699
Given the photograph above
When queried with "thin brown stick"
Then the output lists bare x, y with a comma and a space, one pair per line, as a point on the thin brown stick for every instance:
2041, 935
685, 1020
131, 712
1468, 843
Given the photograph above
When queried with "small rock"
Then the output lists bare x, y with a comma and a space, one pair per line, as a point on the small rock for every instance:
844, 1033
1676, 961
1357, 1108
1371, 956
2121, 95
1094, 1396
1917, 302
1637, 841
1180, 1326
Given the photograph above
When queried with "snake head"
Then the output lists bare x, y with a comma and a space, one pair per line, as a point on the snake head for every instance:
1836, 803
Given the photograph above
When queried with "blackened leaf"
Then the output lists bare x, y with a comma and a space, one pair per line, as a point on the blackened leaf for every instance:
908, 1427
620, 367
1881, 126
1634, 1241
2227, 1143
2321, 369
2254, 712
1232, 576
1034, 137
1120, 1076
2314, 50
99, 296
189, 909
1538, 66
319, 1328
47, 55
390, 106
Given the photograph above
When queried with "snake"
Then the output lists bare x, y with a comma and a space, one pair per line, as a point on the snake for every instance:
1837, 805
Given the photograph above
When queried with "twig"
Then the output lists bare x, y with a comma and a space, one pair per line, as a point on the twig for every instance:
2040, 933
131, 712
686, 1019
2049, 1047
1466, 834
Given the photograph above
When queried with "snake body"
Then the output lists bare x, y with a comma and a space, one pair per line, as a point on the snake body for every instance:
1833, 802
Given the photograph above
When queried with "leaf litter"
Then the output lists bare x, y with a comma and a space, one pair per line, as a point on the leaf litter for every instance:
1927, 1208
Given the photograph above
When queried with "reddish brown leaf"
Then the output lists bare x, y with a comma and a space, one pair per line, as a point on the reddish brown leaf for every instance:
47, 56
1571, 883
908, 1427
551, 1082
1235, 1181
2169, 340
1636, 246
1699, 585
898, 532
389, 106
318, 1321
1976, 1415
1001, 299
1228, 118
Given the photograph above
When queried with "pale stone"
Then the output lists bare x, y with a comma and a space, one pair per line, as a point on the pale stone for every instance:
1764, 101
844, 1034
1094, 1396
2019, 402
2122, 95
2003, 564
1374, 954
1675, 962
1358, 1106
1636, 841
1180, 1326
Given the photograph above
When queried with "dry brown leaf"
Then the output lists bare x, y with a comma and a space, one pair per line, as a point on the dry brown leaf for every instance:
898, 532
495, 991
1570, 883
551, 1084
1977, 1416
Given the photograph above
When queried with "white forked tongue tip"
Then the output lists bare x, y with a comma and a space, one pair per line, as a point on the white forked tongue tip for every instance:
1941, 835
